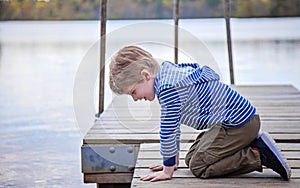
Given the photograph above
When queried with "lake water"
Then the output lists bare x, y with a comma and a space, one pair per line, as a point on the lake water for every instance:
39, 135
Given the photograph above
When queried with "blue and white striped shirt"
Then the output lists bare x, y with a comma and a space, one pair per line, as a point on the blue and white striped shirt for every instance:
194, 96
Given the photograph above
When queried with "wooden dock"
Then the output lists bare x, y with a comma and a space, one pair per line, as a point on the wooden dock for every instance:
123, 142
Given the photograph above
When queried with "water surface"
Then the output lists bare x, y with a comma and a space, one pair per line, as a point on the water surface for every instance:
39, 137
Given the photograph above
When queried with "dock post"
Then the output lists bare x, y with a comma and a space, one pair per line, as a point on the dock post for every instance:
102, 56
227, 18
176, 19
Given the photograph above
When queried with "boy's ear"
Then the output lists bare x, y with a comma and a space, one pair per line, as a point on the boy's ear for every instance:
146, 74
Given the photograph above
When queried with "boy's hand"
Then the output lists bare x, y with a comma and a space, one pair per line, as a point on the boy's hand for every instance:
165, 174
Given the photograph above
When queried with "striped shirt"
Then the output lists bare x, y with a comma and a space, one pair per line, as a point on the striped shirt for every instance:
194, 96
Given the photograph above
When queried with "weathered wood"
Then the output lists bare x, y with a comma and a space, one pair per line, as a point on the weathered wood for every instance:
280, 130
123, 123
127, 122
268, 90
293, 155
280, 109
272, 130
149, 156
146, 163
250, 91
154, 138
217, 183
186, 146
186, 173
108, 178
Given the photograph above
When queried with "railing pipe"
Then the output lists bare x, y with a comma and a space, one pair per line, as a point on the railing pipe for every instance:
102, 55
176, 20
227, 18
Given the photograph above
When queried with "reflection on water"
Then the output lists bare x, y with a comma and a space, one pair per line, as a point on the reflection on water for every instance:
39, 139
271, 62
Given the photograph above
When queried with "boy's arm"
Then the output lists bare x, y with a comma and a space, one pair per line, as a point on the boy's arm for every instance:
169, 135
169, 125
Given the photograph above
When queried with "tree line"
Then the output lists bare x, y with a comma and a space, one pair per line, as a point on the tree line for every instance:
142, 9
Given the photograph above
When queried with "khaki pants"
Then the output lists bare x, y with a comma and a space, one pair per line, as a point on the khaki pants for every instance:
225, 151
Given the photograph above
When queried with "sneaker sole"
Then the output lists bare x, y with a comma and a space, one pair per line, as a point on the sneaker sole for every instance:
271, 144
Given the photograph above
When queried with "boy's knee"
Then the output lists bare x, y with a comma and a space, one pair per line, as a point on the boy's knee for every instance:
199, 163
197, 166
187, 158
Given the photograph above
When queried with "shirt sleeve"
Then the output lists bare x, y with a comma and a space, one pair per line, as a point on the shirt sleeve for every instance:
169, 125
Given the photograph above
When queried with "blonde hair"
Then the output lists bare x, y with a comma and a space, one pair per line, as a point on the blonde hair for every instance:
126, 67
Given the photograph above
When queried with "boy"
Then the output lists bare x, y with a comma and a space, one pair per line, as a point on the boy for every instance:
195, 97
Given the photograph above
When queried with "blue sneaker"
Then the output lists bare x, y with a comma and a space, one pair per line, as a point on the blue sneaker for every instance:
270, 156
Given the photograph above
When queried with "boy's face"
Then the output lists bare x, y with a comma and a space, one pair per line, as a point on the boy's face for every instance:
143, 90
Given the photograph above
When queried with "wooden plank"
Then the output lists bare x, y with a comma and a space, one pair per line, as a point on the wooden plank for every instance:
269, 89
155, 105
154, 138
108, 178
292, 108
186, 173
271, 130
143, 119
286, 137
153, 123
289, 146
264, 91
293, 155
153, 126
186, 146
149, 155
217, 182
128, 122
264, 100
146, 163
260, 109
